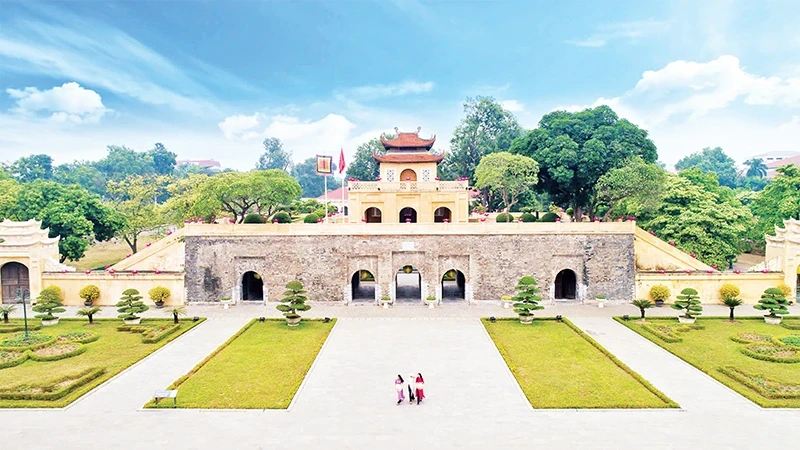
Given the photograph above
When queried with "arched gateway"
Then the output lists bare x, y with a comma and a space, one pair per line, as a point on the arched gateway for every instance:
363, 286
453, 285
13, 276
566, 285
252, 286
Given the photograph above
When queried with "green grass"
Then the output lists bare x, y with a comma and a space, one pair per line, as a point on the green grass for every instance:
260, 367
101, 254
711, 349
114, 351
559, 366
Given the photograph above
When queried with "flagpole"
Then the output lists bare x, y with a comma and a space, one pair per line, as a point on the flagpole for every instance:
325, 178
344, 186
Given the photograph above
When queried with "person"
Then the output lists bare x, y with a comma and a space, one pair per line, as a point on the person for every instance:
399, 386
419, 385
411, 388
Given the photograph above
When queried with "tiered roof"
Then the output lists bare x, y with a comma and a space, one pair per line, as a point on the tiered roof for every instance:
408, 148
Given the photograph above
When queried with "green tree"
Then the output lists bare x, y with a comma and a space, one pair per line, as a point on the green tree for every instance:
575, 149
163, 159
130, 304
122, 161
632, 189
699, 221
89, 312
33, 167
689, 302
506, 175
82, 173
712, 160
643, 304
134, 198
527, 299
486, 128
312, 184
49, 302
778, 201
774, 301
184, 198
274, 156
756, 168
364, 167
294, 300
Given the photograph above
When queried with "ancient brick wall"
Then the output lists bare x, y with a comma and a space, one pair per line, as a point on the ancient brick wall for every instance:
491, 263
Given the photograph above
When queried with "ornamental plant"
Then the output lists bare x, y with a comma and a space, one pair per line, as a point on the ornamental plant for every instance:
176, 311
659, 292
159, 294
774, 301
5, 310
785, 289
293, 300
642, 304
50, 301
130, 305
282, 217
689, 303
89, 313
89, 293
732, 303
253, 218
526, 300
728, 290
311, 218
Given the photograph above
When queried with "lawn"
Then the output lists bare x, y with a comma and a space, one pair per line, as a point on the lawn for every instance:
37, 383
101, 254
709, 347
260, 367
559, 366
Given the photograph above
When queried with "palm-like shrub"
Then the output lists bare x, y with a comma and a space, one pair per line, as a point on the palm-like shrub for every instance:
49, 302
659, 293
732, 303
774, 301
130, 305
89, 293
176, 311
89, 312
5, 310
642, 304
689, 303
293, 300
526, 300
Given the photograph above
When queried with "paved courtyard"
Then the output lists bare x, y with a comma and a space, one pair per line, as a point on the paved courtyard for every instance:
347, 400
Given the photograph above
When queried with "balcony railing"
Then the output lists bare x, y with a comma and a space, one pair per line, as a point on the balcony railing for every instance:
406, 186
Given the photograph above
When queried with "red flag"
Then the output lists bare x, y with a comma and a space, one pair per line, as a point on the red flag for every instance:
341, 161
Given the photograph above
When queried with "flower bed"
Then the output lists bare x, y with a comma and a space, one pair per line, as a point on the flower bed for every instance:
56, 352
34, 341
766, 387
751, 338
11, 359
84, 337
772, 353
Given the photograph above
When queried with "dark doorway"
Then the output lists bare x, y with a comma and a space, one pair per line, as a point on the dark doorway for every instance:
441, 214
252, 286
408, 215
408, 285
363, 283
565, 285
453, 285
13, 276
373, 215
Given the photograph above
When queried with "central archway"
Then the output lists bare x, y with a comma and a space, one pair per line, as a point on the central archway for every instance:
363, 286
373, 215
408, 175
566, 285
408, 285
453, 285
408, 215
252, 286
441, 214
13, 276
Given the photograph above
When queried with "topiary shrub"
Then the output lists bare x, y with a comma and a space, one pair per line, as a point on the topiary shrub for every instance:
526, 300
689, 303
549, 217
89, 294
50, 301
293, 300
282, 217
253, 218
528, 217
158, 294
503, 218
659, 293
130, 305
311, 218
774, 301
785, 289
729, 290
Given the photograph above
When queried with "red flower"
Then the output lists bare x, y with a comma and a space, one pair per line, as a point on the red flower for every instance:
662, 271
737, 271
87, 272
157, 272
693, 255
134, 271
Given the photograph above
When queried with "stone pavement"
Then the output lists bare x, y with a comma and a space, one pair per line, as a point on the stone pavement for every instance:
348, 398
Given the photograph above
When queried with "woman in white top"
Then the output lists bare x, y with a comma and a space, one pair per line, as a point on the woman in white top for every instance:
399, 386
411, 388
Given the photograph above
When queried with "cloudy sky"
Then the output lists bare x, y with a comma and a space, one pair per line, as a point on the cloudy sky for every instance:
212, 79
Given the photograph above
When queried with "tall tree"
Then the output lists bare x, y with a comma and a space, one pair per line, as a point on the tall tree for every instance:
33, 167
575, 149
184, 195
486, 128
364, 167
163, 159
83, 173
274, 156
779, 200
313, 185
632, 189
712, 160
134, 198
756, 168
122, 161
506, 175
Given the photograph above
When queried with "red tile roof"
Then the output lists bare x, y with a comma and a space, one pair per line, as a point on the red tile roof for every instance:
410, 157
407, 141
783, 162
335, 195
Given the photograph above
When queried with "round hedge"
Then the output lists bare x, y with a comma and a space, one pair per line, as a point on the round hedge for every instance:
253, 218
282, 217
311, 218
548, 217
502, 217
528, 217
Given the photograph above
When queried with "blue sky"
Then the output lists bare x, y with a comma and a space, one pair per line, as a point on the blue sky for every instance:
212, 79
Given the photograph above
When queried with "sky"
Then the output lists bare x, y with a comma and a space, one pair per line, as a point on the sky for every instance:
212, 79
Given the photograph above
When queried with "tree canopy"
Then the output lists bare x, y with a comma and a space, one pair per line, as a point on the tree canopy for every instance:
163, 159
507, 175
274, 156
122, 161
364, 167
134, 198
756, 168
632, 189
712, 160
313, 185
33, 167
575, 149
779, 200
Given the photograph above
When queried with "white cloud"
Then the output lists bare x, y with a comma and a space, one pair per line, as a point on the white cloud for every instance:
376, 91
512, 105
794, 123
241, 126
630, 31
66, 103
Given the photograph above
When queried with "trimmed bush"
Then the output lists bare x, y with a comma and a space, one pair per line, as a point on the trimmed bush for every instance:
785, 289
772, 353
311, 218
159, 294
729, 290
130, 304
253, 218
689, 303
89, 293
502, 217
659, 292
526, 300
528, 217
293, 300
788, 324
548, 217
774, 301
49, 302
12, 358
282, 217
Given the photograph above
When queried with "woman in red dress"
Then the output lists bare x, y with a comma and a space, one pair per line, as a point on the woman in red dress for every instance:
420, 385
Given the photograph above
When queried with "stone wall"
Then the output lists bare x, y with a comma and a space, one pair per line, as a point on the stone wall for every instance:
491, 262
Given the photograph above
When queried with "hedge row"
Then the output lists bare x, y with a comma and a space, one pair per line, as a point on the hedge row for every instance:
42, 358
751, 382
791, 324
35, 346
751, 352
23, 356
13, 328
159, 334
18, 392
87, 337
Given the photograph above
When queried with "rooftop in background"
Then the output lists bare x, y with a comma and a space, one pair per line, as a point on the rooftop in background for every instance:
200, 162
408, 142
772, 165
776, 155
335, 195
